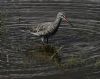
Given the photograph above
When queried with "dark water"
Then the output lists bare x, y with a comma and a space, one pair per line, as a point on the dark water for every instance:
82, 39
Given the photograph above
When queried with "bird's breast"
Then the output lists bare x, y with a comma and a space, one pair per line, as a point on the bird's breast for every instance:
52, 30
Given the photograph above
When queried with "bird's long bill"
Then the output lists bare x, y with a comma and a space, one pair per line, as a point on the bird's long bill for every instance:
68, 21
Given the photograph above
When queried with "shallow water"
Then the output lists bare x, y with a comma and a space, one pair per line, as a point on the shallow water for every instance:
81, 40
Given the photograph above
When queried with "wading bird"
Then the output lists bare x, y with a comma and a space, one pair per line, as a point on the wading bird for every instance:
47, 29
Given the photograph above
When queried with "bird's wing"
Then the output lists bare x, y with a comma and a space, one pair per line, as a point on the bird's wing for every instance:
42, 27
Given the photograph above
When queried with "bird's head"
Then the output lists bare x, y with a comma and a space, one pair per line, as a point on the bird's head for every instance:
62, 15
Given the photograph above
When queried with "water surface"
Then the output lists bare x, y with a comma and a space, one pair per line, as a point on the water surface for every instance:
81, 40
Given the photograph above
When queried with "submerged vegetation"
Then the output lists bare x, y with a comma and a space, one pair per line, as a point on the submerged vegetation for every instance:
74, 62
97, 64
53, 54
45, 53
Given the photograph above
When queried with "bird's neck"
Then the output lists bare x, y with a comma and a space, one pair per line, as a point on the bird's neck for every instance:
57, 21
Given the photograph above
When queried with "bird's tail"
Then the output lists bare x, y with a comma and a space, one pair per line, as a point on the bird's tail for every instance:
34, 33
29, 30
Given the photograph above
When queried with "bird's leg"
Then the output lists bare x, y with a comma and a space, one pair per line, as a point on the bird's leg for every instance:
47, 40
43, 39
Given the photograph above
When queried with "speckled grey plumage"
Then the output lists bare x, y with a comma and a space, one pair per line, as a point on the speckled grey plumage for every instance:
47, 29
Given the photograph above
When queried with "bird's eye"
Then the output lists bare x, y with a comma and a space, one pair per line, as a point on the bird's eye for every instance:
62, 15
